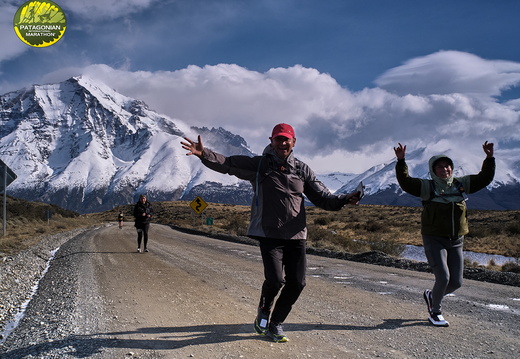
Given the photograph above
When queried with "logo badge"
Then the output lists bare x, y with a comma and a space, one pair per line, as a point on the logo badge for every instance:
40, 23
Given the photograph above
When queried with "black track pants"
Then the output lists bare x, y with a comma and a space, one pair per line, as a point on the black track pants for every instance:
281, 256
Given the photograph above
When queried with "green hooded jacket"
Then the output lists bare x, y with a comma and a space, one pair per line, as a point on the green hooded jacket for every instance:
444, 213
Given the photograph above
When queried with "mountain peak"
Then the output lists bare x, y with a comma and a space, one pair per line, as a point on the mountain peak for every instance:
83, 146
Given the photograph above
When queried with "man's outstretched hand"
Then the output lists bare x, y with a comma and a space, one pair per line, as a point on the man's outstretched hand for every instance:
193, 148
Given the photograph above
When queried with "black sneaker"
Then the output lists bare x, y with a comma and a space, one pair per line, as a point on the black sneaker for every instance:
438, 320
261, 321
275, 332
146, 249
427, 295
138, 250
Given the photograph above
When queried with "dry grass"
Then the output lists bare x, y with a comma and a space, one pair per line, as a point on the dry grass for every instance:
23, 233
28, 222
354, 229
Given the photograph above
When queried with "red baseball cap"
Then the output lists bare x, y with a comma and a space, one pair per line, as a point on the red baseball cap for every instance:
283, 129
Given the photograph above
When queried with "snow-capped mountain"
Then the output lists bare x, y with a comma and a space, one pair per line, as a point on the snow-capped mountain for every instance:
85, 147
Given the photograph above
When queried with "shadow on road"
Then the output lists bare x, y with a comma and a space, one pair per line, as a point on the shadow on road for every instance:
169, 338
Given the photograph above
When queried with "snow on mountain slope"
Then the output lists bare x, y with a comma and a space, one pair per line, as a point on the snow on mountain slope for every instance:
86, 147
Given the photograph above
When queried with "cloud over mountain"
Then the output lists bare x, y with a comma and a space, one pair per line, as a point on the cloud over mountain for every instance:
339, 129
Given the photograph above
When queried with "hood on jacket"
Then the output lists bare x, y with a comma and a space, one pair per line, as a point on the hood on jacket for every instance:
441, 185
441, 182
435, 159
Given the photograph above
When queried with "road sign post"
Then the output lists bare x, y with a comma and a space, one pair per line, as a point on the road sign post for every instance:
6, 177
198, 205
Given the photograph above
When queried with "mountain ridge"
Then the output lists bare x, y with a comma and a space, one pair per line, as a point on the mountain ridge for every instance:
83, 146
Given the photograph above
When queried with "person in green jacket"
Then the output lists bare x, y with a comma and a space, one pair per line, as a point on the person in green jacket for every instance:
443, 219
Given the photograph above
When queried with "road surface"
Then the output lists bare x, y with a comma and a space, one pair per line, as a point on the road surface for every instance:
196, 297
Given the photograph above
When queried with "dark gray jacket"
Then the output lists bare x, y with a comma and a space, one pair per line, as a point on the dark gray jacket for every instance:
277, 209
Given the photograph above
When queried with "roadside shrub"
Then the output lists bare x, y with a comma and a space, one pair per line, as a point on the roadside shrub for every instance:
352, 217
374, 226
237, 225
511, 267
470, 264
513, 229
318, 235
323, 221
492, 265
328, 239
387, 245
488, 230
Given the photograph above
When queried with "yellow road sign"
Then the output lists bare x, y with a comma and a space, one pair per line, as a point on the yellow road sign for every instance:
198, 205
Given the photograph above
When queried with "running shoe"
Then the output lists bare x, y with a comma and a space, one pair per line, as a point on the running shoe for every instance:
275, 332
146, 249
138, 250
261, 321
438, 320
427, 295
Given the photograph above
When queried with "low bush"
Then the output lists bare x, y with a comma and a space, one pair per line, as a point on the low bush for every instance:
323, 221
374, 226
326, 239
237, 226
511, 267
387, 245
513, 229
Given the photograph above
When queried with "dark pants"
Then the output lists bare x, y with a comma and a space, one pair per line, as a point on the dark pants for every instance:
447, 263
278, 256
142, 234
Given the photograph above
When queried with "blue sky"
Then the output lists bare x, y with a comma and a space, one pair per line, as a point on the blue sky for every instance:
353, 77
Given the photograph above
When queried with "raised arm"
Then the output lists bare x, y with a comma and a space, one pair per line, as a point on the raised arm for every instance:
400, 151
488, 149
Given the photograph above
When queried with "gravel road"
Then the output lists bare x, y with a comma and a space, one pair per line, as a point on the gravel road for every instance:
196, 297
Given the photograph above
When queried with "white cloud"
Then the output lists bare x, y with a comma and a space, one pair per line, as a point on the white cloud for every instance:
12, 46
96, 10
245, 102
447, 72
337, 130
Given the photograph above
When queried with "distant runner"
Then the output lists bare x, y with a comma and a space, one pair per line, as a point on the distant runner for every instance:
142, 213
120, 218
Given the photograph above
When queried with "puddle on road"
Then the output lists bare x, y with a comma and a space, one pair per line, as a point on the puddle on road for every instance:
498, 307
417, 253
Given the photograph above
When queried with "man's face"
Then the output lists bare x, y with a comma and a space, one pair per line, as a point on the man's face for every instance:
282, 145
142, 199
442, 169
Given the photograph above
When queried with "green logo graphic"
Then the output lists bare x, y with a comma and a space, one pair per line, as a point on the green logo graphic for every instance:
40, 23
